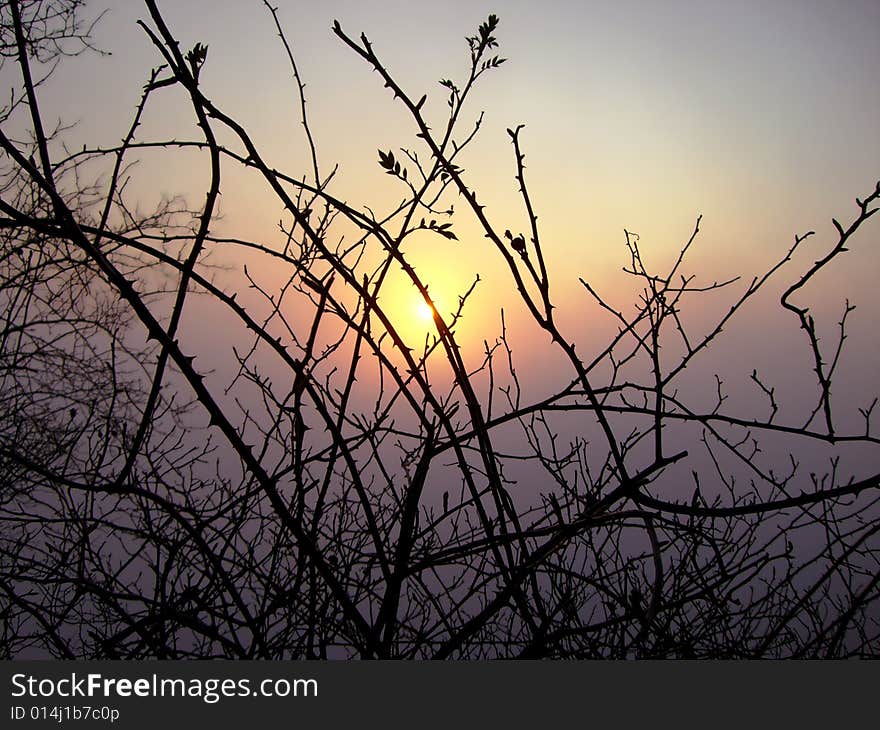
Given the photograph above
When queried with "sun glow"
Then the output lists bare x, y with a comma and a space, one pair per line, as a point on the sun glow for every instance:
424, 311
413, 318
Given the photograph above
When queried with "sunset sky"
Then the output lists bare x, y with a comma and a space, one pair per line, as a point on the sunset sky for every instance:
246, 420
761, 116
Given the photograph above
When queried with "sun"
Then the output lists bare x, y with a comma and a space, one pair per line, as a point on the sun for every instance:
424, 312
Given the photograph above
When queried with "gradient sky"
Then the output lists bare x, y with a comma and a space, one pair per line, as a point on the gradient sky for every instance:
762, 116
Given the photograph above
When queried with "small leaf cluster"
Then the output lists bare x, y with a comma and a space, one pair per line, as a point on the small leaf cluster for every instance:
484, 38
453, 91
391, 165
442, 228
483, 41
493, 62
196, 58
